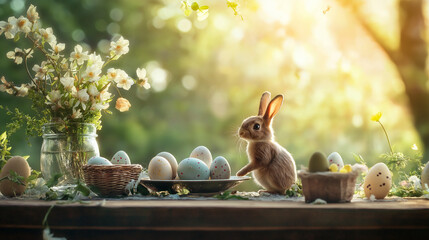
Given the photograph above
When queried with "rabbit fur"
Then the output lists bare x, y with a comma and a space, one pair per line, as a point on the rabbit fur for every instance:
272, 165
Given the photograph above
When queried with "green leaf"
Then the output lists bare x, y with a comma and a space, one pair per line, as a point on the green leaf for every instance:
195, 6
186, 8
227, 195
54, 180
16, 38
83, 189
359, 159
33, 176
16, 178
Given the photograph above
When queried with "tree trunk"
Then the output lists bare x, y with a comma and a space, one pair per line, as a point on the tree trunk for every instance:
411, 65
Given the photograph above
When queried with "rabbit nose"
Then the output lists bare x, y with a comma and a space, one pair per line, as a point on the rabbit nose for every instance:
241, 133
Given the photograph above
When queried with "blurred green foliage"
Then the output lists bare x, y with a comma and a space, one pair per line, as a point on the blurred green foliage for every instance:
207, 76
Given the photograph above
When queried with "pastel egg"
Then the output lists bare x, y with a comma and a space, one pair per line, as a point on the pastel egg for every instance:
21, 167
425, 176
121, 157
193, 169
378, 181
335, 158
159, 169
220, 168
97, 160
173, 162
318, 163
203, 154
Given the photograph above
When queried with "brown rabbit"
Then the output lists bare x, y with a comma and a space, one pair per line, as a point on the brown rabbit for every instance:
273, 166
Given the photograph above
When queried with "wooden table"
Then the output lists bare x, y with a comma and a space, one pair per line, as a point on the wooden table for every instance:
180, 219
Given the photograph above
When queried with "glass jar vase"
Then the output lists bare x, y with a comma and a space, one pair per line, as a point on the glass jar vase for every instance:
66, 149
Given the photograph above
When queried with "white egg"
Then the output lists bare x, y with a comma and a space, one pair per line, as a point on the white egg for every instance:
203, 154
159, 169
193, 169
335, 158
425, 176
378, 181
96, 160
220, 168
121, 157
172, 160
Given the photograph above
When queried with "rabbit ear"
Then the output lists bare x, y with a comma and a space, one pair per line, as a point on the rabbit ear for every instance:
265, 99
273, 108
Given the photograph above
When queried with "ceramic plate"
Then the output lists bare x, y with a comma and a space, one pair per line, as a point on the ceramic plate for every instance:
194, 186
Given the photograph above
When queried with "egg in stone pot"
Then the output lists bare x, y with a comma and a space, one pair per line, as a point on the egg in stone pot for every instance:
378, 181
335, 158
318, 163
20, 166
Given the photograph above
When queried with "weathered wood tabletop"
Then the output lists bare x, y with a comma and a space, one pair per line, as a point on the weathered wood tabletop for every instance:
180, 219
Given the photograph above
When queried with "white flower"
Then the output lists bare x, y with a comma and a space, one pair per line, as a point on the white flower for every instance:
78, 55
16, 55
99, 106
68, 82
48, 35
143, 80
8, 28
57, 48
92, 90
92, 73
95, 60
123, 80
47, 235
105, 95
82, 95
112, 74
22, 24
415, 181
42, 70
22, 91
64, 65
54, 96
76, 114
119, 47
32, 15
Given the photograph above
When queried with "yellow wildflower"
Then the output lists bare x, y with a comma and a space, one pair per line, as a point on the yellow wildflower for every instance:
376, 117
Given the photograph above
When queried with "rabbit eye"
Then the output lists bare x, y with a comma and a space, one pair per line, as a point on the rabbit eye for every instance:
256, 126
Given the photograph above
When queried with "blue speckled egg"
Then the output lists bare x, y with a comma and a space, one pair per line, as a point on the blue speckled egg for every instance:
193, 169
98, 161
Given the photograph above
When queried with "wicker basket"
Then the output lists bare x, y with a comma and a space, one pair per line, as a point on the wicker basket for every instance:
110, 180
329, 186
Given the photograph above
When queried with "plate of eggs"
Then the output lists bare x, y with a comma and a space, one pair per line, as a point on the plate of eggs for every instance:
199, 173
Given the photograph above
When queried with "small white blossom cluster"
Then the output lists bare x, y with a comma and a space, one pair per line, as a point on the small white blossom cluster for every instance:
73, 86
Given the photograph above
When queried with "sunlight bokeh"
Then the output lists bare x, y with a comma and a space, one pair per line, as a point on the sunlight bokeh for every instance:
207, 76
